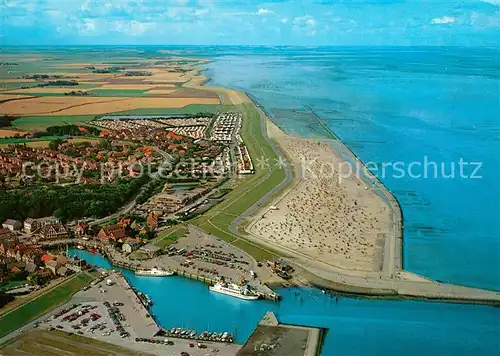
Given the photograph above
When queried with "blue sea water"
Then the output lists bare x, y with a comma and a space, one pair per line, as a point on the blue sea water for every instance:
355, 326
434, 105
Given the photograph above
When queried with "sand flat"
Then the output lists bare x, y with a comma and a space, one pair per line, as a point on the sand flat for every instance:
339, 221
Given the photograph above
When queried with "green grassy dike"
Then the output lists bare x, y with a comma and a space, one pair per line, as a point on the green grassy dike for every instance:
33, 309
217, 221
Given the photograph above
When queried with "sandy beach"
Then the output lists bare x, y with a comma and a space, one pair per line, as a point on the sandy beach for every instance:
332, 219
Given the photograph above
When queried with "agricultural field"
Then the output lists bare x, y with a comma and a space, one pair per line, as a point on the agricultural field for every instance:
42, 342
10, 133
8, 97
39, 123
124, 82
56, 106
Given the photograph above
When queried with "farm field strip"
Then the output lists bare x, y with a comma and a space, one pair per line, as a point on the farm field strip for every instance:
42, 106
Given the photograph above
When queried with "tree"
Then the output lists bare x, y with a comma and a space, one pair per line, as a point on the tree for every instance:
54, 145
105, 144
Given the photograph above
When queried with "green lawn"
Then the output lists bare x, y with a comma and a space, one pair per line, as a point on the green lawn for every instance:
42, 122
35, 308
26, 140
14, 85
189, 109
39, 94
218, 220
120, 93
171, 236
11, 284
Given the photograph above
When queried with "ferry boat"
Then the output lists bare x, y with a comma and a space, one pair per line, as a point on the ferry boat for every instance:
154, 272
234, 291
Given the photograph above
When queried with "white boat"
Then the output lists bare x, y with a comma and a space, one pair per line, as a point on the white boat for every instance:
80, 247
234, 291
154, 272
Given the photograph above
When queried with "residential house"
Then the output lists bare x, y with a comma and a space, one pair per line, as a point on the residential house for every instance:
32, 255
16, 267
47, 258
5, 234
152, 221
130, 245
80, 229
53, 232
12, 225
43, 275
7, 243
62, 271
53, 266
32, 225
125, 223
113, 232
62, 260
31, 267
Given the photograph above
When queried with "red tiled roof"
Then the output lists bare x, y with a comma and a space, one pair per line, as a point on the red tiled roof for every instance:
47, 257
173, 136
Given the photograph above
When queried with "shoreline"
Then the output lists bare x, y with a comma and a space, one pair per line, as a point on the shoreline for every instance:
396, 242
399, 285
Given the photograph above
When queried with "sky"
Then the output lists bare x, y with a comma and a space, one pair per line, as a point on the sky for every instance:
238, 22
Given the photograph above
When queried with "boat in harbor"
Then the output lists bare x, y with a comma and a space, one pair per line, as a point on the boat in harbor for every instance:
234, 290
154, 272
80, 247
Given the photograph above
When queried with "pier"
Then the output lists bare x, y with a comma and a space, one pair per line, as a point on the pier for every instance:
271, 337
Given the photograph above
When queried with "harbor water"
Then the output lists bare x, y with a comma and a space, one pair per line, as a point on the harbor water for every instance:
355, 326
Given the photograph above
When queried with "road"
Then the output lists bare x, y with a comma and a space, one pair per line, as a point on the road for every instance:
127, 208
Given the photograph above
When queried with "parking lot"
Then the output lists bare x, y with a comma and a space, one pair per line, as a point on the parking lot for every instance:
109, 311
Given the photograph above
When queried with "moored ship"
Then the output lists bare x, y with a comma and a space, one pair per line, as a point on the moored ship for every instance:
154, 272
233, 290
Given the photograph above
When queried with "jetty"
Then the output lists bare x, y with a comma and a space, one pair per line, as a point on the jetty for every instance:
270, 337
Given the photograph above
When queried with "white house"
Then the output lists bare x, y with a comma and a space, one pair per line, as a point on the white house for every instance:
130, 245
12, 225
31, 225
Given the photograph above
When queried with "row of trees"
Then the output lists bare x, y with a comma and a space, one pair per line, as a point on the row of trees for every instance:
68, 130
